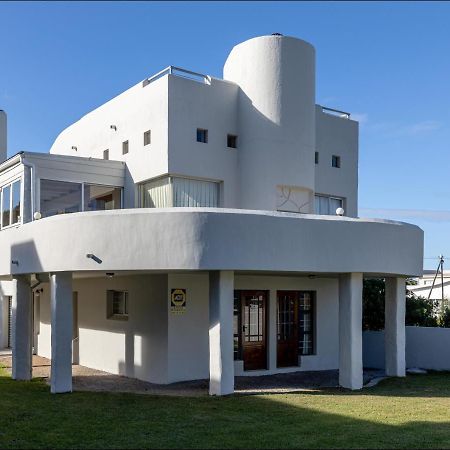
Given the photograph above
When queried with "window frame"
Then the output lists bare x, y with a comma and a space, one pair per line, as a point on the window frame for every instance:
312, 332
110, 314
232, 137
336, 161
329, 198
10, 185
125, 147
205, 132
149, 134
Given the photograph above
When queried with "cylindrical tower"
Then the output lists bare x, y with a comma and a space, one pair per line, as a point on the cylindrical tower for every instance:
276, 115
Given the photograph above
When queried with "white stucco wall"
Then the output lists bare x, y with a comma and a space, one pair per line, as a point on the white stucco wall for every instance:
426, 348
337, 136
136, 347
276, 76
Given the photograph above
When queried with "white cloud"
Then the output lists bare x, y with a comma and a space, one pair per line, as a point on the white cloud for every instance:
411, 214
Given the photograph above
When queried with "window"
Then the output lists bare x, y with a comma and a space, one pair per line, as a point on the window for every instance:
202, 135
10, 199
147, 137
231, 141
316, 157
336, 161
117, 304
124, 148
237, 326
105, 154
327, 205
100, 198
59, 197
306, 323
179, 192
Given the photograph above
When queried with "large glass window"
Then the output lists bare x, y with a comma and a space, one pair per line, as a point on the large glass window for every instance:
10, 200
306, 323
15, 198
99, 198
6, 206
59, 197
327, 205
179, 192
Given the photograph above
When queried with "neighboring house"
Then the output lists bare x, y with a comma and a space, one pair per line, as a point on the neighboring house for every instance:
425, 287
203, 240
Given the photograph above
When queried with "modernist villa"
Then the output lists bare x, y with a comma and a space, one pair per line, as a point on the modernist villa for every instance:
195, 227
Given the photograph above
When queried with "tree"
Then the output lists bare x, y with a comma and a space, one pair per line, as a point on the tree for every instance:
419, 310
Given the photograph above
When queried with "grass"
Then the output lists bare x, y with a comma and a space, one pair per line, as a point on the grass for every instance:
398, 413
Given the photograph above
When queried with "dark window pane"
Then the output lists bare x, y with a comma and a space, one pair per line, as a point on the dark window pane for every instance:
6, 198
99, 198
59, 197
16, 202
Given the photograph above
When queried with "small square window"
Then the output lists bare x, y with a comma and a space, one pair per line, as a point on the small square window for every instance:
147, 137
117, 304
336, 161
105, 154
231, 141
202, 135
124, 148
316, 157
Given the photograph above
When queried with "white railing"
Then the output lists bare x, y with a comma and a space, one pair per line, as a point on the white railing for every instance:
178, 71
335, 112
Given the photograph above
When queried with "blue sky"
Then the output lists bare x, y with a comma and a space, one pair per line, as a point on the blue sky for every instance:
387, 63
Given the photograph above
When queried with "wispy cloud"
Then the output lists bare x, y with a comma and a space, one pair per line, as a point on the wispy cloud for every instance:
393, 130
428, 215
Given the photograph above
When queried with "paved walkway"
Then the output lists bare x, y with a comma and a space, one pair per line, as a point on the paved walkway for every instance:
85, 379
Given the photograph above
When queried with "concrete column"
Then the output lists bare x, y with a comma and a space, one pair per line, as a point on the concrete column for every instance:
221, 361
61, 328
350, 331
21, 329
394, 328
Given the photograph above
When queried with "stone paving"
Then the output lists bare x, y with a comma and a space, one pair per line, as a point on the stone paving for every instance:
86, 379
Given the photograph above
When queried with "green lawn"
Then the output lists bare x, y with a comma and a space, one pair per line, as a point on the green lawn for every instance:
411, 412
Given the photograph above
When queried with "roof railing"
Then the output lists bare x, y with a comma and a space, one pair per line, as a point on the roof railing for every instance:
178, 71
335, 112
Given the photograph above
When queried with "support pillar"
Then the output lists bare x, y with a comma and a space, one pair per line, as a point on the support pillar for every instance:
21, 329
221, 360
350, 331
394, 328
61, 330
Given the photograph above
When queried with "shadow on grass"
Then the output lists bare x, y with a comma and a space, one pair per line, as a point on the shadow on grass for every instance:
386, 416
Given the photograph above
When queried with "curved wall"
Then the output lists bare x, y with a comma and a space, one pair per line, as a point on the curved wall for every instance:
276, 75
211, 239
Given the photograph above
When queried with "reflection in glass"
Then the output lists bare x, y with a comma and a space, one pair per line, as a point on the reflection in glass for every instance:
6, 197
59, 197
16, 202
100, 198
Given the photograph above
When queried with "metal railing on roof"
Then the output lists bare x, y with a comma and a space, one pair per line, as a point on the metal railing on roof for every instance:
178, 71
335, 112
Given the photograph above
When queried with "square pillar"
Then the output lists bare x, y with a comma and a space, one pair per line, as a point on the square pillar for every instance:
221, 359
61, 331
21, 329
350, 331
394, 328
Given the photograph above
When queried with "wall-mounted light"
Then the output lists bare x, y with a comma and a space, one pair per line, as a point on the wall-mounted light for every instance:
37, 215
94, 258
113, 127
74, 148
340, 211
109, 274
15, 262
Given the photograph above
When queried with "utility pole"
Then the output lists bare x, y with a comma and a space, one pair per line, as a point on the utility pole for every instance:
440, 268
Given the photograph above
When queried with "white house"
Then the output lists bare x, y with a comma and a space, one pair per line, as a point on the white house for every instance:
433, 285
202, 239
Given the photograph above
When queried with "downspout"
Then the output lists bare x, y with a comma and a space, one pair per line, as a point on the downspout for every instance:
32, 175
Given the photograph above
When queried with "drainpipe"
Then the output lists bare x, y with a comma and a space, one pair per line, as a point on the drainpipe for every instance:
32, 180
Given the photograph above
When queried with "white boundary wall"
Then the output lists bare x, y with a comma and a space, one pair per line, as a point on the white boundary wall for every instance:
426, 347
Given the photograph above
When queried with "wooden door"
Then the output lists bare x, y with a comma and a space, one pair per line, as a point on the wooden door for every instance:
254, 352
287, 329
